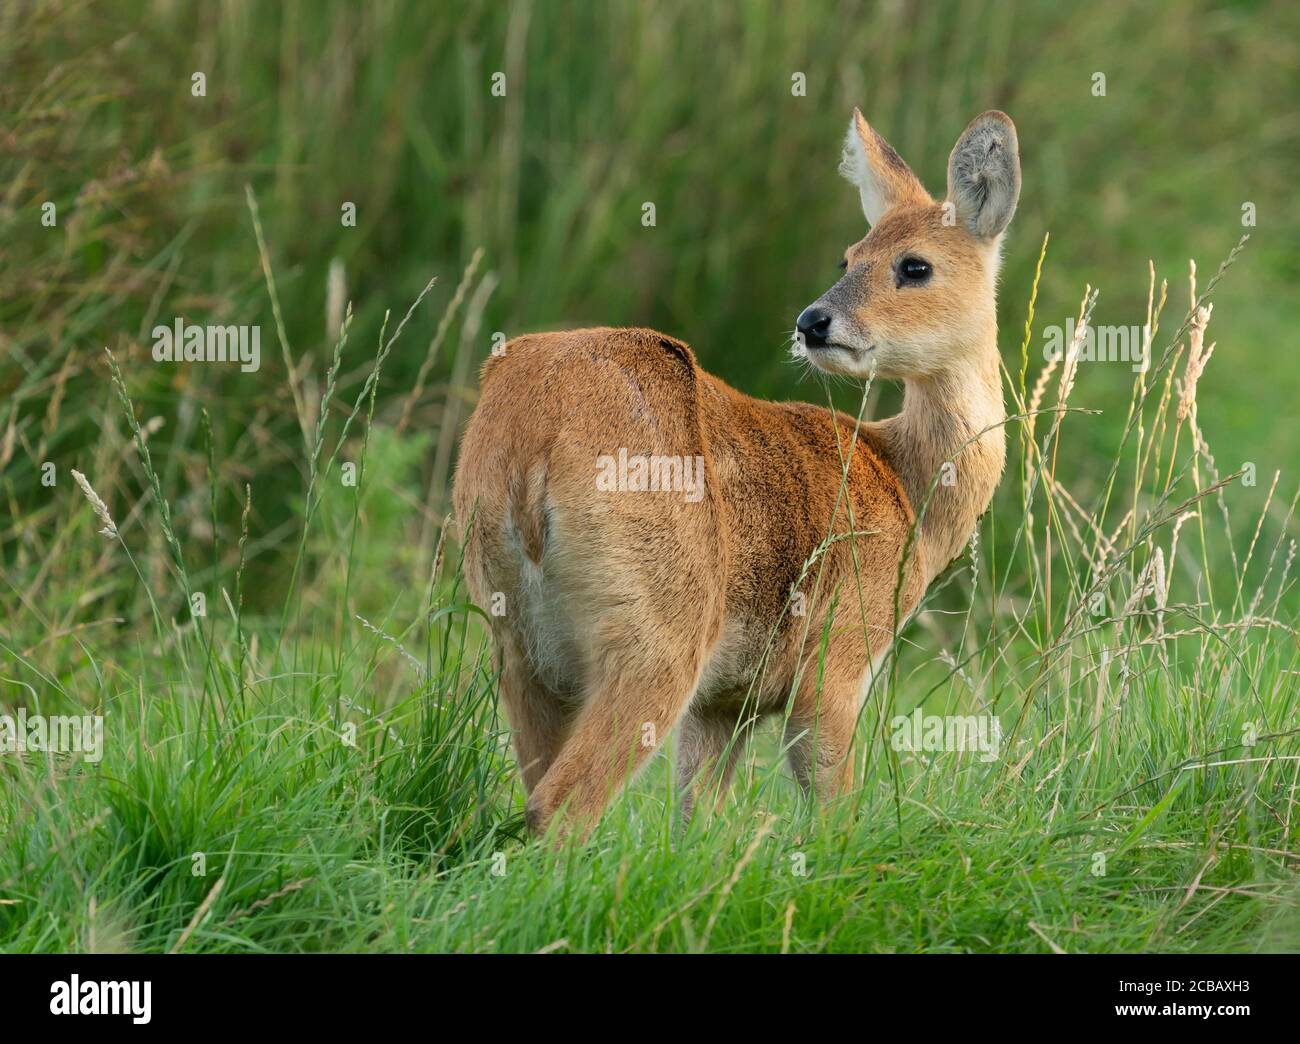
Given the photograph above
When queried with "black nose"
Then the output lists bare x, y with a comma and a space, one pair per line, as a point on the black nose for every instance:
813, 324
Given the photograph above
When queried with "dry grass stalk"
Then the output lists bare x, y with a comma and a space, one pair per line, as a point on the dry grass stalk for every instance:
100, 508
1197, 357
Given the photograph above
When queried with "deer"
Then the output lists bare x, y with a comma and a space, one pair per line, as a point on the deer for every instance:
630, 604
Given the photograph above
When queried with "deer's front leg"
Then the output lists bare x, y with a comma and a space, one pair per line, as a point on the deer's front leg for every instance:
708, 750
824, 716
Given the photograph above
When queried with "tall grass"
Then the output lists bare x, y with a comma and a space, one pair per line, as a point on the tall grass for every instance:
300, 785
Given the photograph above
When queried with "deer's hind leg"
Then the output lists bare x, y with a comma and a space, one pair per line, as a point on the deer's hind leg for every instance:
632, 708
646, 638
540, 719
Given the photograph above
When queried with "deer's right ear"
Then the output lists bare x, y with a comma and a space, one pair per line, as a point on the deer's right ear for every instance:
883, 179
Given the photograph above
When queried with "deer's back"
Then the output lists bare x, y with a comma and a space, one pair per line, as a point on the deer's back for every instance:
554, 406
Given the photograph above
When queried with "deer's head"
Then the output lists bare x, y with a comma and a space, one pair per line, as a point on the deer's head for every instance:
917, 297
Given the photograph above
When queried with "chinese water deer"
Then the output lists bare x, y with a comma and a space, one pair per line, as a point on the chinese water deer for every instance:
661, 552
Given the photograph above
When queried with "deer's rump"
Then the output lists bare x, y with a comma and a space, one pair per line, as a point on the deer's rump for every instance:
560, 497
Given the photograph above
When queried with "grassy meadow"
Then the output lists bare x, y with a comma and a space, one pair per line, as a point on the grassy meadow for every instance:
252, 583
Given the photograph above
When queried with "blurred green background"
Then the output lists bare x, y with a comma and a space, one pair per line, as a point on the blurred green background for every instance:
389, 105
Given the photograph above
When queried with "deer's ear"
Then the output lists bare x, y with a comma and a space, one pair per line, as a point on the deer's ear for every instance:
984, 174
883, 179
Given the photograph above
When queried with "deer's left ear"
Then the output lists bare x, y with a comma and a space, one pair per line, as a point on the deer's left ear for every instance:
883, 179
984, 174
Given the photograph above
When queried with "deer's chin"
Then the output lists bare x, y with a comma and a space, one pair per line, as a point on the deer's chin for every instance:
844, 360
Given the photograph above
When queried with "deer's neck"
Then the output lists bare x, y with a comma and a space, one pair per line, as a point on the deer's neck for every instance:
948, 447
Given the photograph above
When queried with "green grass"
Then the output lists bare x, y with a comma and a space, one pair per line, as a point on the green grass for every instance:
317, 763
270, 789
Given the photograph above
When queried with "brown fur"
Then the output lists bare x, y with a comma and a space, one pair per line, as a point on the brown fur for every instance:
631, 614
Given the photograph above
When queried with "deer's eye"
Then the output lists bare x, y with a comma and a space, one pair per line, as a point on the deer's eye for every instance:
913, 270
